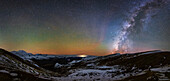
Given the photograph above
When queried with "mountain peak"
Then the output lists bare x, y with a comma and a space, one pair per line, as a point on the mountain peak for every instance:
22, 51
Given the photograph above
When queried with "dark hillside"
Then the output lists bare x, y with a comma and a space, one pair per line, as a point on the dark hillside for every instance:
6, 53
140, 61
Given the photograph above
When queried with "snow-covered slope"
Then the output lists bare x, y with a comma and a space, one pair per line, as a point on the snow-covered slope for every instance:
117, 67
143, 66
15, 66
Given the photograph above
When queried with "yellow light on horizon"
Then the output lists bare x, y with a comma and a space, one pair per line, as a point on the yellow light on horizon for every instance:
82, 55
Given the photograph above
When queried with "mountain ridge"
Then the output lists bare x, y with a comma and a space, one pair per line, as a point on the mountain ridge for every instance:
19, 69
145, 66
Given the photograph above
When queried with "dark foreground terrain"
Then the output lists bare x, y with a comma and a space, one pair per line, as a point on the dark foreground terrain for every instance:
143, 66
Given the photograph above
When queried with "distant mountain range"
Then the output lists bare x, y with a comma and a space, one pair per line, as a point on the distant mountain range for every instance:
142, 66
23, 54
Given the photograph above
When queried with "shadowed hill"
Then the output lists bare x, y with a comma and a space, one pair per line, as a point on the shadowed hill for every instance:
6, 53
142, 60
134, 67
126, 67
139, 60
13, 67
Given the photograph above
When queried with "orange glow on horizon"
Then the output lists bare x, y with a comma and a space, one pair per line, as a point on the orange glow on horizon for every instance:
82, 55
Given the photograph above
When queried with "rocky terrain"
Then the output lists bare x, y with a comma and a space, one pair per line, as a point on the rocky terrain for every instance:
14, 68
142, 66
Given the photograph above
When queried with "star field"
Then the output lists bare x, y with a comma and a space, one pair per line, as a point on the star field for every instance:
94, 27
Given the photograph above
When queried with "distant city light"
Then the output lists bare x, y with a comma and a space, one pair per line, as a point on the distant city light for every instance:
82, 55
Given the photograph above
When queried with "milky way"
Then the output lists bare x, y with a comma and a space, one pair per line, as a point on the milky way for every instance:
94, 27
122, 42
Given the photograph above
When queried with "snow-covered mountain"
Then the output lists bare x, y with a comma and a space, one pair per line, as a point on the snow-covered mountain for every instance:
142, 66
49, 62
23, 54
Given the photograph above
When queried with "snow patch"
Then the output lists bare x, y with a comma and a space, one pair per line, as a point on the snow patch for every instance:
57, 65
3, 71
161, 69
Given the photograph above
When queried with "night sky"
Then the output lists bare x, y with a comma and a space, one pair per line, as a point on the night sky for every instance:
93, 27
